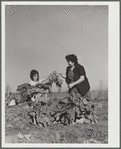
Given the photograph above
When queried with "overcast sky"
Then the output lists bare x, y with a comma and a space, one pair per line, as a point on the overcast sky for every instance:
39, 37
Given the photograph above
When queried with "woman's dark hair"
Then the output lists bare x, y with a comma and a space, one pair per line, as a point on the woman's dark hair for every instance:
72, 58
32, 73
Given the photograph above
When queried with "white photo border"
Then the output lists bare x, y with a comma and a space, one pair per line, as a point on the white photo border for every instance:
113, 74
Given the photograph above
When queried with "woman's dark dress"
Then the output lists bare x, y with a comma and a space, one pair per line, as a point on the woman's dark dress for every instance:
71, 78
83, 89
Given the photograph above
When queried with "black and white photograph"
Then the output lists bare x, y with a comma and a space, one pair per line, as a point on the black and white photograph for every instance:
60, 74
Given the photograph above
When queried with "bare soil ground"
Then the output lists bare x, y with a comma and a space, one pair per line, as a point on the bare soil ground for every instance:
18, 128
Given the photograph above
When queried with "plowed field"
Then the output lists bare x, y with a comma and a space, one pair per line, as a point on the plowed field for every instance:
18, 128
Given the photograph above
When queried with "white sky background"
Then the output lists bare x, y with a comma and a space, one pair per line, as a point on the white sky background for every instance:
39, 37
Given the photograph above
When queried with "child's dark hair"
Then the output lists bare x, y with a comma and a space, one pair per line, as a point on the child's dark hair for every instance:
72, 58
32, 73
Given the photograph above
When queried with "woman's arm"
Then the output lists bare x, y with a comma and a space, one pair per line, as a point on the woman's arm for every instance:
63, 76
81, 79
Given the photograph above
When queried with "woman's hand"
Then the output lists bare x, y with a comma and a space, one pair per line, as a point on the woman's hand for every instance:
62, 75
71, 85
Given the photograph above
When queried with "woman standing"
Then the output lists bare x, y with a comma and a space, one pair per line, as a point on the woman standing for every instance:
76, 77
78, 83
